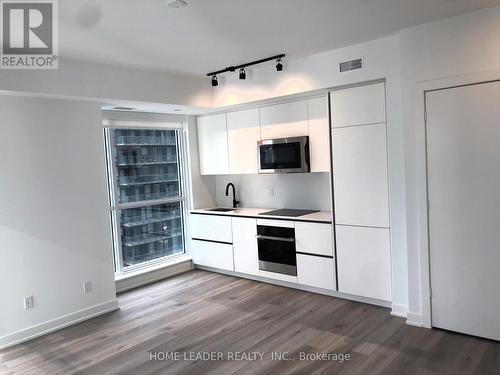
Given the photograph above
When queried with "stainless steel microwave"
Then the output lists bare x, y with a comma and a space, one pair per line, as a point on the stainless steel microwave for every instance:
284, 155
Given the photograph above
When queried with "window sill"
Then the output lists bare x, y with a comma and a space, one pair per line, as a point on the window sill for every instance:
134, 279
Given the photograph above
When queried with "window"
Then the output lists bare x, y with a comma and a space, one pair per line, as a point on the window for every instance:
146, 195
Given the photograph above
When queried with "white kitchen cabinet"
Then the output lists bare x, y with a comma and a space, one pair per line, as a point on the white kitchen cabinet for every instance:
358, 105
211, 227
243, 132
364, 261
314, 238
361, 192
284, 120
246, 257
212, 144
319, 134
212, 254
316, 271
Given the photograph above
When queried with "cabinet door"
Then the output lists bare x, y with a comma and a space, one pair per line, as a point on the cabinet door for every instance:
361, 191
246, 257
212, 254
358, 105
319, 134
316, 271
284, 120
364, 262
243, 132
313, 238
211, 227
212, 144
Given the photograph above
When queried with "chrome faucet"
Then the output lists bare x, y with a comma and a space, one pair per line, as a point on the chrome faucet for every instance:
235, 202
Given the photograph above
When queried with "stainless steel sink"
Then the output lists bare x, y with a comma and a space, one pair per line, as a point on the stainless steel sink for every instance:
220, 209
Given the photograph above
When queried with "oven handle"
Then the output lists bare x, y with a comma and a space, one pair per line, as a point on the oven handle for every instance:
272, 238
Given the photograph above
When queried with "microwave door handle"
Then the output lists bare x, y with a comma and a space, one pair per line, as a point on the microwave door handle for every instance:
272, 238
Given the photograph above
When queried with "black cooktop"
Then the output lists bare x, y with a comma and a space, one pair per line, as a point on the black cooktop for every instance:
288, 212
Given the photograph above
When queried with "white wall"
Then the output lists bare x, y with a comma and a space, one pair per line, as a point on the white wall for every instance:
454, 47
294, 190
54, 221
101, 81
382, 60
202, 187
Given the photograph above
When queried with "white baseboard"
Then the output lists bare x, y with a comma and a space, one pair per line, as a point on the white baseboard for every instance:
399, 310
58, 323
326, 292
414, 319
128, 282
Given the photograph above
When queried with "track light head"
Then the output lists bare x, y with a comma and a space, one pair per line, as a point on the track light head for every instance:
279, 65
214, 81
243, 74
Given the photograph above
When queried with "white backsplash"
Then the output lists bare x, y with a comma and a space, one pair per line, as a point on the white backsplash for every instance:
295, 190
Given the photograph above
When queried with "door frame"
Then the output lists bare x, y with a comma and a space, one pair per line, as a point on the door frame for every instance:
422, 193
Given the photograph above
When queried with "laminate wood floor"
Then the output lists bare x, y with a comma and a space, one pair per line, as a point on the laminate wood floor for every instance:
199, 312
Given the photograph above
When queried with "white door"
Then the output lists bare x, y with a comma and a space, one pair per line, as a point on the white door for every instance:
463, 150
243, 132
316, 271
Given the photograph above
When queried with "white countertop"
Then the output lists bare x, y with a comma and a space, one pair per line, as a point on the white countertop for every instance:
320, 216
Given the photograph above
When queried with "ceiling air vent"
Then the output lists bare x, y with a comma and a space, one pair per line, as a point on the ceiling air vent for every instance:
347, 66
124, 108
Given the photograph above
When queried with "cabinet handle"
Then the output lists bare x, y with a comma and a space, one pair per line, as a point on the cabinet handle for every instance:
272, 238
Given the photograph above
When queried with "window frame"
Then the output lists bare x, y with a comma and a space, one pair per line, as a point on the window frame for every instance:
115, 207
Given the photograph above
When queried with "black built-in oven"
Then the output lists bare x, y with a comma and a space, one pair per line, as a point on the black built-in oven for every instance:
277, 249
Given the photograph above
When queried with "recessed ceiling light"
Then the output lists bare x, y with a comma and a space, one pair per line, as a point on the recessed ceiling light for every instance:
177, 109
177, 3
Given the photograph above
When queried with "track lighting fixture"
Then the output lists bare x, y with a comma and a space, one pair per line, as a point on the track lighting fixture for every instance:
214, 80
243, 74
279, 65
241, 68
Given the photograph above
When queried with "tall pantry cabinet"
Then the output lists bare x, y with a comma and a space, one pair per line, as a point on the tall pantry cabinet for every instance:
361, 191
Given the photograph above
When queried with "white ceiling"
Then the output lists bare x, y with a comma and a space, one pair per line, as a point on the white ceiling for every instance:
212, 34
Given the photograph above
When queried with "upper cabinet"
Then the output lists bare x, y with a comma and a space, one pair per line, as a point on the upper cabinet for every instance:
228, 141
284, 120
319, 134
212, 143
359, 105
243, 132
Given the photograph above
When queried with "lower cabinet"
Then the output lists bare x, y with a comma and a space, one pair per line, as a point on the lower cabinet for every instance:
246, 256
364, 261
316, 271
212, 254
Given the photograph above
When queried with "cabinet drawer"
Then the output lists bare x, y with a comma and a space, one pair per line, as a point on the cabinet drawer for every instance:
364, 262
314, 238
211, 227
212, 254
316, 271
